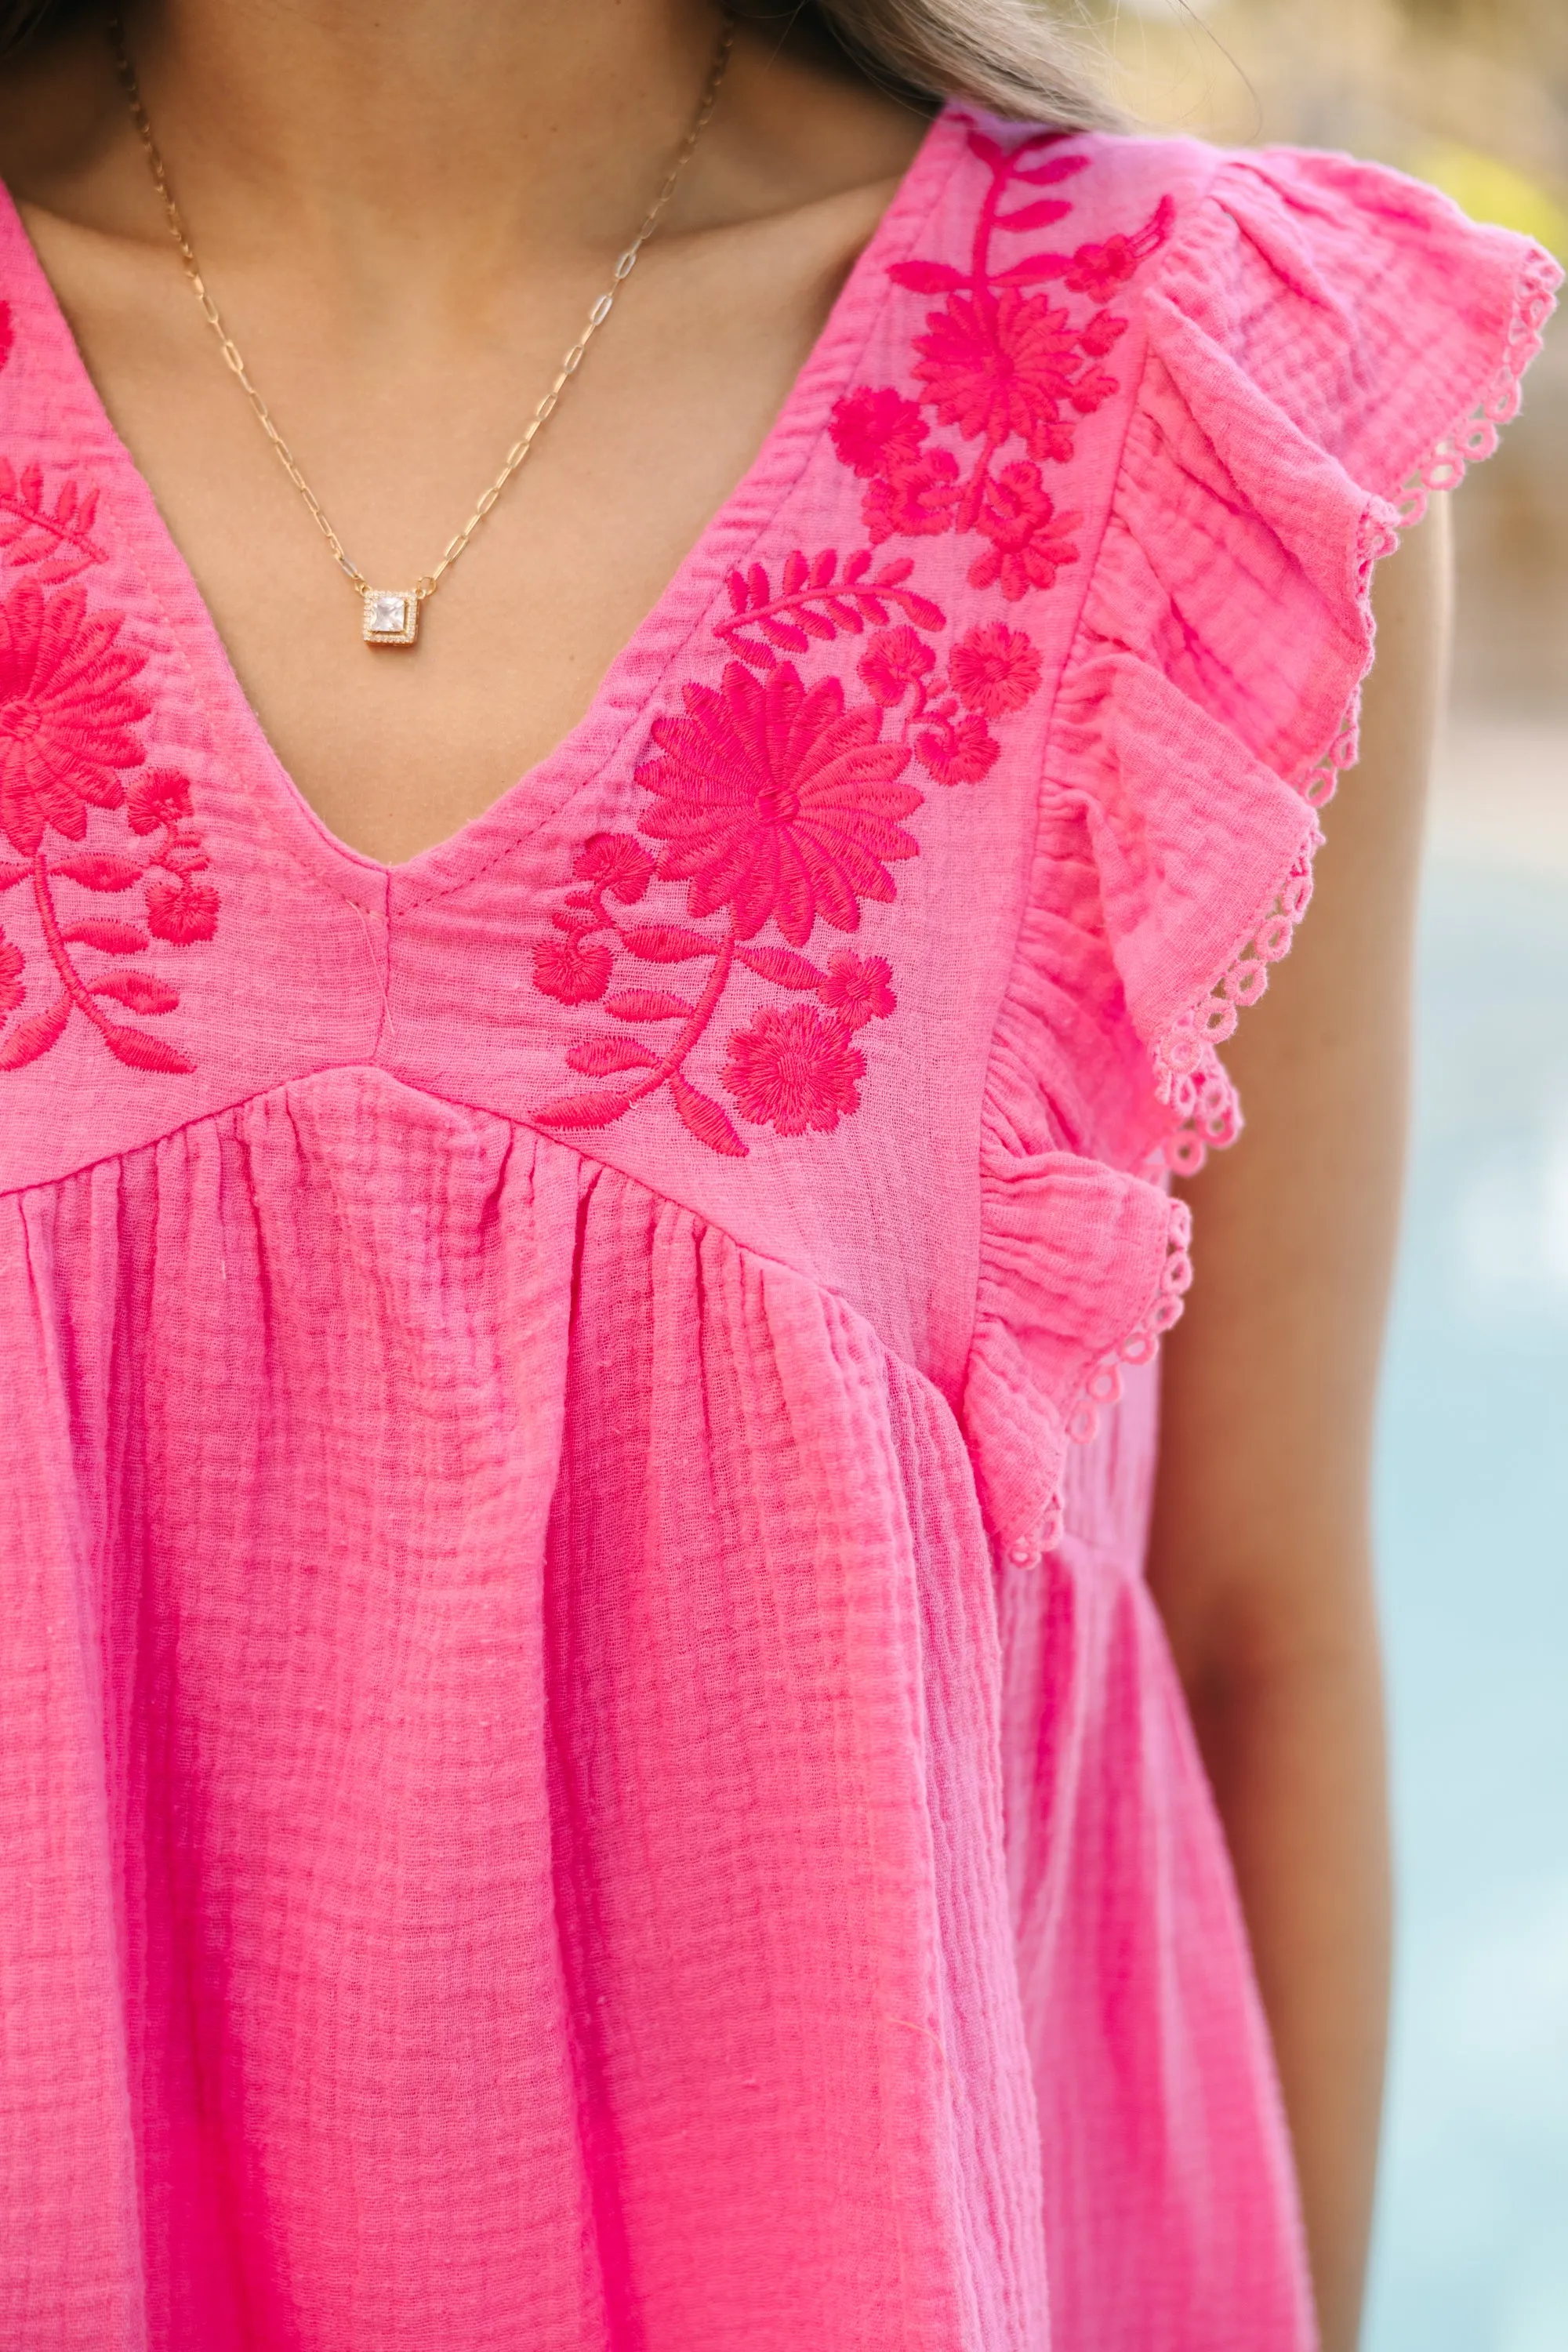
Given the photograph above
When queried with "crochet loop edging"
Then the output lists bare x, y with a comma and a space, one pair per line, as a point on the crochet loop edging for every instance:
1190, 1080
1102, 1386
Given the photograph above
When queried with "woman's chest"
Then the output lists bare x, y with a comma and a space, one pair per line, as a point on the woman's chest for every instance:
743, 933
399, 421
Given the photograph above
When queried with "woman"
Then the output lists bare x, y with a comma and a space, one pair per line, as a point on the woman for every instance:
589, 1758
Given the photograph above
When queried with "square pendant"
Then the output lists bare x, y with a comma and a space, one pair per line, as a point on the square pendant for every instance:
390, 617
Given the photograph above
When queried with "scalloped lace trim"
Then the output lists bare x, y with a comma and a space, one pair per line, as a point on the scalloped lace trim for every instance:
1190, 1077
1103, 1385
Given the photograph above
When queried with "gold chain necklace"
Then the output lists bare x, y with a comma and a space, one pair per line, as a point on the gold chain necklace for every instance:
391, 616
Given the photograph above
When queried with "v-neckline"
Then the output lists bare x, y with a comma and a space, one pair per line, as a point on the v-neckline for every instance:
629, 683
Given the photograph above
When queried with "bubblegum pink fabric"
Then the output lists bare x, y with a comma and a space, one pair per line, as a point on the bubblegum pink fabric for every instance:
584, 1764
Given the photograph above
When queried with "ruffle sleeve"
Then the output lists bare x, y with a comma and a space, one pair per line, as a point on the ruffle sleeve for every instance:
1327, 343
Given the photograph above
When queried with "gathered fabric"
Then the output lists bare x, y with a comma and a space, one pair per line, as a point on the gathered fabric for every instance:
585, 1761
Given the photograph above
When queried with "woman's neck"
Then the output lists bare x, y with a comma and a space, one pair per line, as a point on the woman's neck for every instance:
474, 128
404, 221
456, 144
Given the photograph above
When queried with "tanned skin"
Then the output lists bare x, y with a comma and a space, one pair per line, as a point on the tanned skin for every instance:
405, 214
1261, 1559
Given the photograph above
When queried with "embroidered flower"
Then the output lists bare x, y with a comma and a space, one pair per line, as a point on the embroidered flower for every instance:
1030, 542
1002, 368
1094, 386
1103, 330
70, 716
776, 801
857, 988
915, 500
67, 713
895, 660
773, 799
573, 971
182, 855
993, 669
877, 431
957, 751
618, 863
1097, 270
158, 796
180, 910
794, 1070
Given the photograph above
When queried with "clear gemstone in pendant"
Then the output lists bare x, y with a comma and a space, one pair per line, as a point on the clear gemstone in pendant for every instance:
390, 617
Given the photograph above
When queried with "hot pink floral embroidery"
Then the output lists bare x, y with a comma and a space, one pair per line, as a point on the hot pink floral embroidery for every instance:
1030, 542
623, 867
1002, 368
895, 660
916, 500
874, 431
54, 535
957, 751
775, 803
795, 1070
1097, 270
1009, 369
181, 911
774, 800
67, 714
574, 971
858, 987
995, 669
70, 710
816, 600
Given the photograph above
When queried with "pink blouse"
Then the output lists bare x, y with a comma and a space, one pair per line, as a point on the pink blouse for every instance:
584, 1762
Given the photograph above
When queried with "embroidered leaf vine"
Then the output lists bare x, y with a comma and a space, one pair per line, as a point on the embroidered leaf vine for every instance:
815, 601
783, 966
55, 542
649, 1004
114, 938
98, 870
584, 1110
1036, 270
144, 1053
1049, 175
140, 991
600, 1058
1043, 214
927, 276
77, 766
776, 795
705, 1119
34, 1036
666, 943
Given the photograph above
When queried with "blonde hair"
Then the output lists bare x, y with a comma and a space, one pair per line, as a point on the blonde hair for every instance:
1014, 58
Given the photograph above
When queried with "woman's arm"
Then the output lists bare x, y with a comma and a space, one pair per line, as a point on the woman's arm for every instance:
1261, 1556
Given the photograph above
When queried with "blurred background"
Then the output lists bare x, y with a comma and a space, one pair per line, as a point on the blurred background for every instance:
1473, 2247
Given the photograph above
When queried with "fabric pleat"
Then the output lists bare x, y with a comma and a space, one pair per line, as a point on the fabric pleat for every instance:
548, 1793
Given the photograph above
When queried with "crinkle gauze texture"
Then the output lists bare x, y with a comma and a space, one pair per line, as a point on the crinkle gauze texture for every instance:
586, 1762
